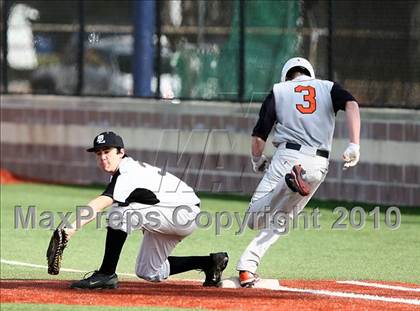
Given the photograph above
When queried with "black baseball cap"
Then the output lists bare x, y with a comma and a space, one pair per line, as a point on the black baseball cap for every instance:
106, 139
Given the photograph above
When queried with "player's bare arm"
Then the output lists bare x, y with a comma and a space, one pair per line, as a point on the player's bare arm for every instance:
353, 121
352, 154
97, 205
257, 146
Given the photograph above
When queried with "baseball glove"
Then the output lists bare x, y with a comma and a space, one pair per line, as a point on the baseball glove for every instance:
55, 250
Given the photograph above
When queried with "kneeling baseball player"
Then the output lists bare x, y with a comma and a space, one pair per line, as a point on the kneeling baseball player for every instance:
302, 111
144, 197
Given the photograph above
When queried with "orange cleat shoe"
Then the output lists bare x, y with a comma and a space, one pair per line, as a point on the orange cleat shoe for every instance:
248, 279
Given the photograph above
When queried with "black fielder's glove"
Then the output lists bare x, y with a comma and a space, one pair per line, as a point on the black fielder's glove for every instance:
55, 250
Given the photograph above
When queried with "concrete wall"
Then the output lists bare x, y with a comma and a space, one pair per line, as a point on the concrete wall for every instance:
205, 143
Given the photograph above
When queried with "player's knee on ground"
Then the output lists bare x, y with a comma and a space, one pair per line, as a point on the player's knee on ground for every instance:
151, 277
149, 274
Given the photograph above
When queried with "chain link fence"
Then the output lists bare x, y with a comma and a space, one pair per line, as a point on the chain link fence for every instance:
211, 50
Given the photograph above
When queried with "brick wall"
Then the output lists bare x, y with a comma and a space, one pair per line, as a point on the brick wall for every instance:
45, 137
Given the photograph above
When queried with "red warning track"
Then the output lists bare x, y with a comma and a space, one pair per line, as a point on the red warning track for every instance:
8, 178
193, 295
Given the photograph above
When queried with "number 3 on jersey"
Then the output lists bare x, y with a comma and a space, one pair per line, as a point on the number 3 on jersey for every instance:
309, 98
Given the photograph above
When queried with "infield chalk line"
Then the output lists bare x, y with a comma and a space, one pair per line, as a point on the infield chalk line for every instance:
378, 285
25, 264
18, 263
282, 288
351, 295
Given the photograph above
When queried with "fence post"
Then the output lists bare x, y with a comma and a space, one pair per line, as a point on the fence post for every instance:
144, 23
241, 86
81, 49
159, 48
5, 16
330, 40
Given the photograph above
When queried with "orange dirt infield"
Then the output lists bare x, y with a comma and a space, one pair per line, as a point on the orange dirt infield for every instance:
192, 295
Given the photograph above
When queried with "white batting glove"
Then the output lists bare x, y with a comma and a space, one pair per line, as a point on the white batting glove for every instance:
351, 155
260, 164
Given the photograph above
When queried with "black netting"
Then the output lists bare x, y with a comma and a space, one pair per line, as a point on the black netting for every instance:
201, 52
195, 42
375, 48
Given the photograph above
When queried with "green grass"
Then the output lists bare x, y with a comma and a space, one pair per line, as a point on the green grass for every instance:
377, 254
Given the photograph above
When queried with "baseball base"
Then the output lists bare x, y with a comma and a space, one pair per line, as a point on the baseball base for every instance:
233, 282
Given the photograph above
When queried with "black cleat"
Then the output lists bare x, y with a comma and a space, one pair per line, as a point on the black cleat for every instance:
214, 273
97, 280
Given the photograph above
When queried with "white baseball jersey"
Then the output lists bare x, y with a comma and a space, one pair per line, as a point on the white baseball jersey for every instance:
157, 187
147, 199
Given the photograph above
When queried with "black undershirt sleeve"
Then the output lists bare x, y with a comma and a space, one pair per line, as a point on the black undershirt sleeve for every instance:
109, 191
267, 118
339, 97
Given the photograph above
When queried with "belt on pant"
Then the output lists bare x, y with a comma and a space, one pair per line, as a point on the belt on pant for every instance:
319, 152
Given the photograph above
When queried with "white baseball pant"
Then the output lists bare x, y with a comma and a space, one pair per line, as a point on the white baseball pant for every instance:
273, 195
161, 233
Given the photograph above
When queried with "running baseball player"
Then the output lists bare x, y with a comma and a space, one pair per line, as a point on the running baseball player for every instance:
142, 197
302, 110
